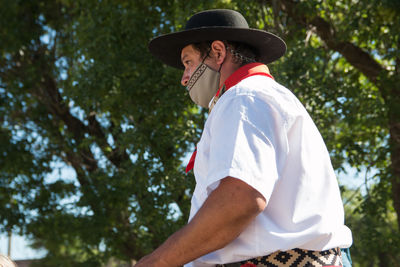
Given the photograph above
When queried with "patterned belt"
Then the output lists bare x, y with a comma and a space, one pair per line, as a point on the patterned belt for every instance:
293, 258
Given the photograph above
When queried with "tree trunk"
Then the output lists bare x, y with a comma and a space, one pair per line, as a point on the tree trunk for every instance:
9, 243
394, 128
384, 260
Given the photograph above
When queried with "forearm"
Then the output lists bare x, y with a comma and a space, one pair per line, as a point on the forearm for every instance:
223, 216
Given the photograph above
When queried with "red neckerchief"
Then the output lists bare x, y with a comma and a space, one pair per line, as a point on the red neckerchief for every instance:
236, 77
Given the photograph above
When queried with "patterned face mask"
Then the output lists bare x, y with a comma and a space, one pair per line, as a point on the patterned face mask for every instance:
203, 84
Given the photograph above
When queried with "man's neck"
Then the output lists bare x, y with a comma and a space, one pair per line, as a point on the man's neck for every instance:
227, 70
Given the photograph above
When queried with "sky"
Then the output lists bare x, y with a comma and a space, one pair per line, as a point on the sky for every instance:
20, 249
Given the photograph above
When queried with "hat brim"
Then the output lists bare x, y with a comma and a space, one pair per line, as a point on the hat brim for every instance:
168, 47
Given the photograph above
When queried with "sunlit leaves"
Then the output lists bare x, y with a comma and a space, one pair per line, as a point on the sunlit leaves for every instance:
78, 86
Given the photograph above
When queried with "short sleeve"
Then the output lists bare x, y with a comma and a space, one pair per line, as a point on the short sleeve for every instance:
242, 134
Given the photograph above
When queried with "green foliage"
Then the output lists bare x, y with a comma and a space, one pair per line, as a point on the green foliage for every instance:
79, 88
351, 109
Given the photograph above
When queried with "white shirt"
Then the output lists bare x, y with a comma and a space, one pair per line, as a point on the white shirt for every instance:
260, 133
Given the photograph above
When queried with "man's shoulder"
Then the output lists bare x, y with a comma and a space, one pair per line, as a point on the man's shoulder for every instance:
261, 92
263, 88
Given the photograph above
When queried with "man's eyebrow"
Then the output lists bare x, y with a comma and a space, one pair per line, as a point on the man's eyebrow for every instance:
183, 57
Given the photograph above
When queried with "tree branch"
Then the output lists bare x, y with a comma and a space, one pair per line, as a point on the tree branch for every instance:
353, 54
49, 95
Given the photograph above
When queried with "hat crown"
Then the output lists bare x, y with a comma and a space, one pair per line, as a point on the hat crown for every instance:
217, 18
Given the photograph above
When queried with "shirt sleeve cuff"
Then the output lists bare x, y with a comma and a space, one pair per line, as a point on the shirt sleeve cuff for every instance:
263, 186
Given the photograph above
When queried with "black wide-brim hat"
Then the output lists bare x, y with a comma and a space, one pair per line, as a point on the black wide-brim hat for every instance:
216, 24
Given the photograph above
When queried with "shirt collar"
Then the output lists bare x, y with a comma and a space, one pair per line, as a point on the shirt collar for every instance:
244, 72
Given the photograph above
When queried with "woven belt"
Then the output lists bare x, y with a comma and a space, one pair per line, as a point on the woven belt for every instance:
293, 258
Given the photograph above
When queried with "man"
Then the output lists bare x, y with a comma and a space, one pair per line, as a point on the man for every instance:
5, 261
266, 193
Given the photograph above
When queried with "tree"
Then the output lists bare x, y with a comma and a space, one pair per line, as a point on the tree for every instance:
79, 88
343, 63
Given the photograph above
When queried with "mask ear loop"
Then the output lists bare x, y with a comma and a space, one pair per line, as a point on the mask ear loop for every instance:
220, 67
207, 55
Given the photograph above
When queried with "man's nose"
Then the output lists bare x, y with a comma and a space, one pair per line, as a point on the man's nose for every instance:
185, 78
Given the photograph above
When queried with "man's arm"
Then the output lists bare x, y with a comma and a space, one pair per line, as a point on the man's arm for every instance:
223, 216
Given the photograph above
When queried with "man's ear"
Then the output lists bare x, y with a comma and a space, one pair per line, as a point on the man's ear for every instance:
219, 51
